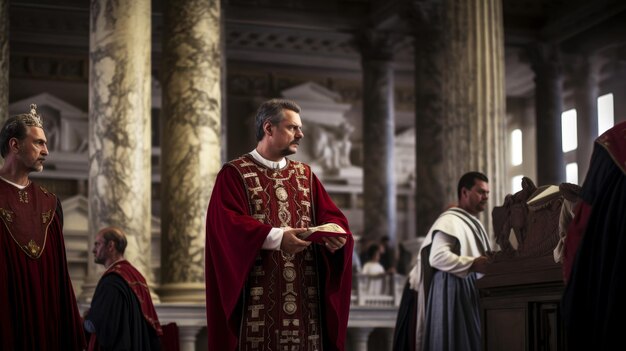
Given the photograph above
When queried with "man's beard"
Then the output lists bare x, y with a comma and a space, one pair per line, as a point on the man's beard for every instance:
287, 151
38, 167
481, 207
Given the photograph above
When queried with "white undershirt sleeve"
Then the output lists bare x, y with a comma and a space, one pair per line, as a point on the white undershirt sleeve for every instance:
273, 239
443, 259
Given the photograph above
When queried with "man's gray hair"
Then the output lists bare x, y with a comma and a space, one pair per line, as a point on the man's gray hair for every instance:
272, 111
16, 127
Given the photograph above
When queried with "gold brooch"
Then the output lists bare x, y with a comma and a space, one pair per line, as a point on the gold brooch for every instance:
32, 248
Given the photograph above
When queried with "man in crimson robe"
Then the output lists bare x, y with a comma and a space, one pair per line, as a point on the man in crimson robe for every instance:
593, 302
122, 316
265, 287
39, 310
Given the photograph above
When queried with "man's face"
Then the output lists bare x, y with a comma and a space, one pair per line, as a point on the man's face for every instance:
33, 149
474, 200
100, 253
287, 134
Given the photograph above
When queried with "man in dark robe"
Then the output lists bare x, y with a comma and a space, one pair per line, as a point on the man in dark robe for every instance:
267, 288
593, 302
122, 316
39, 310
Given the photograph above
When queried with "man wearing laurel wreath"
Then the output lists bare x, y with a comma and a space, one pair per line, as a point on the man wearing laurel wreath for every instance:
269, 284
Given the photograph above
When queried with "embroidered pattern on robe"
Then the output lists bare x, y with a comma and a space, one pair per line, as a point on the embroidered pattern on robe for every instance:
281, 301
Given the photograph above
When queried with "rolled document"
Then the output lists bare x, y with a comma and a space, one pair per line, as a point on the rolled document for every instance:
315, 234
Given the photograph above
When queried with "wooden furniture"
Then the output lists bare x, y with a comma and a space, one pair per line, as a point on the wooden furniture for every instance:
520, 305
521, 291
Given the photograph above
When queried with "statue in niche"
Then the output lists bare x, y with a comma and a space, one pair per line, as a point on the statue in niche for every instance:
321, 150
52, 133
331, 146
83, 146
342, 145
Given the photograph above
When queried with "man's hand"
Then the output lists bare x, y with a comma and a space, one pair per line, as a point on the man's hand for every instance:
334, 243
290, 243
480, 264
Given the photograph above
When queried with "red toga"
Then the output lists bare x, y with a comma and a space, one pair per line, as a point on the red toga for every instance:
39, 310
267, 297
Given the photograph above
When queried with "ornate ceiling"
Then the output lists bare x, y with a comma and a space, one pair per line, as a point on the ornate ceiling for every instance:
319, 34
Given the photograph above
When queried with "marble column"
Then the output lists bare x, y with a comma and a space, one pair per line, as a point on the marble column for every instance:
119, 127
467, 96
586, 90
191, 147
379, 186
360, 336
429, 100
4, 63
546, 63
187, 336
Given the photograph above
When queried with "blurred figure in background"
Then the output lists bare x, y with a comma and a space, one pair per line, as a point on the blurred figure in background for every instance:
593, 302
122, 316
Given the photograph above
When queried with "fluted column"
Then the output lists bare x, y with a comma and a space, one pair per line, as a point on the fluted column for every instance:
379, 186
119, 128
429, 100
546, 63
4, 63
468, 96
586, 91
191, 142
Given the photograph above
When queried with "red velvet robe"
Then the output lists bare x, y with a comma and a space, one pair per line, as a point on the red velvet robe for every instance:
234, 240
39, 310
115, 302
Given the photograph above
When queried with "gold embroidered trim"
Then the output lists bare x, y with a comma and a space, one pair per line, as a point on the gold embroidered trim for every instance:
6, 215
23, 195
32, 248
281, 193
45, 216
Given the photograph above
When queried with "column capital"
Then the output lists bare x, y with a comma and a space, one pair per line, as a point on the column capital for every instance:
545, 59
426, 14
583, 67
377, 44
